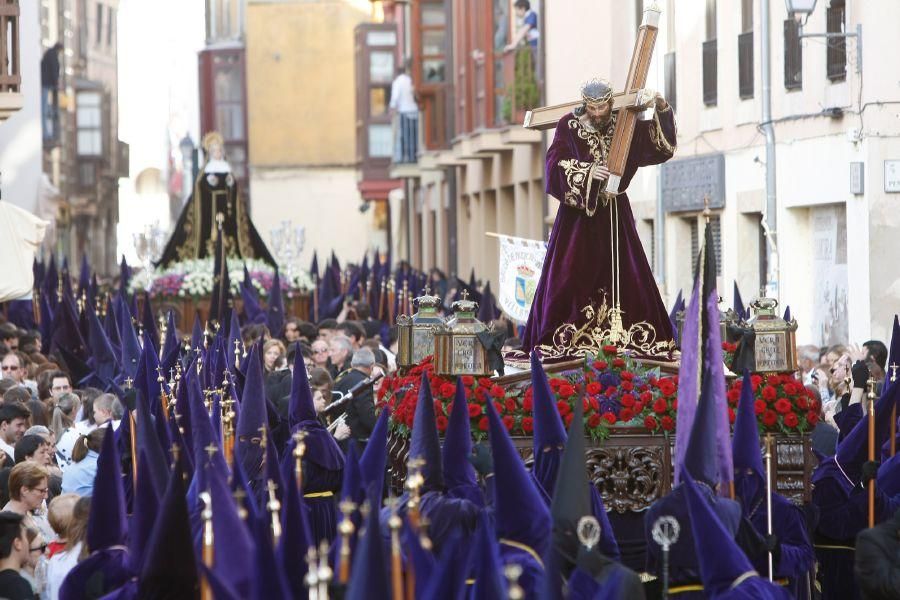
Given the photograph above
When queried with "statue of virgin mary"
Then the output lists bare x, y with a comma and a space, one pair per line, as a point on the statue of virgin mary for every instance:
215, 198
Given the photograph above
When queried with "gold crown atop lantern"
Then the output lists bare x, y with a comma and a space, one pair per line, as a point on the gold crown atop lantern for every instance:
596, 91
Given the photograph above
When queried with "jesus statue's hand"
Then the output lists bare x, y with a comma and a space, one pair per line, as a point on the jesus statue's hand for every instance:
600, 172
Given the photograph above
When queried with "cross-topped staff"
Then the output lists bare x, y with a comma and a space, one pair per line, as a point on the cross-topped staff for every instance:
893, 367
345, 529
870, 397
394, 523
299, 451
208, 548
274, 508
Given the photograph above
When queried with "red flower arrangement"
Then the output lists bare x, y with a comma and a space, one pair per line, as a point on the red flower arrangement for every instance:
782, 403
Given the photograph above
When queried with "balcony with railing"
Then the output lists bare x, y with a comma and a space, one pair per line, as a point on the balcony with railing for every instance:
11, 98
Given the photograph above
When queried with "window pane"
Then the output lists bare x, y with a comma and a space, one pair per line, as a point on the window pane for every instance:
228, 84
378, 101
380, 143
432, 42
433, 15
88, 116
88, 99
230, 121
381, 67
381, 38
433, 70
89, 142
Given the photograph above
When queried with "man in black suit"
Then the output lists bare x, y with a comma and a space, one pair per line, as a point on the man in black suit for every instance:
361, 409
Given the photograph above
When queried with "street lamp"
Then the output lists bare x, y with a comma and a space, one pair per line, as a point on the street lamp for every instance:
800, 10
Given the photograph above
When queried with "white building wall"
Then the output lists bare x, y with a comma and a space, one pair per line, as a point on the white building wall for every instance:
324, 200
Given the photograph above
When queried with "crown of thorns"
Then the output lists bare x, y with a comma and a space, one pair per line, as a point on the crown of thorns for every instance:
596, 91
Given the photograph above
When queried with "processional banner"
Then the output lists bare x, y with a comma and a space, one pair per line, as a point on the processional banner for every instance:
521, 261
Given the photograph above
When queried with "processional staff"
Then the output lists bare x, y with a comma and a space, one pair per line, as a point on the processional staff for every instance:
394, 523
893, 369
870, 396
665, 532
208, 549
345, 529
768, 457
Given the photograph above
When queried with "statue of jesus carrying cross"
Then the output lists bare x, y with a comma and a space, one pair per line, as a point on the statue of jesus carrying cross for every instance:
596, 286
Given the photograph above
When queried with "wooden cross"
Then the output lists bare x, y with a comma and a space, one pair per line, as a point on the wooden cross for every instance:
547, 117
129, 382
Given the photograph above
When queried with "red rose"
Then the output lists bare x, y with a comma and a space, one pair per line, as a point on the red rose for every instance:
638, 408
650, 422
790, 388
595, 404
483, 424
610, 392
733, 396
585, 404
791, 420
627, 400
783, 406
626, 385
441, 423
508, 422
759, 407
566, 391
484, 382
667, 387
812, 418
646, 397
609, 417
626, 375
755, 380
802, 402
474, 410
510, 405
479, 394
568, 419
600, 365
773, 379
729, 347
660, 406
626, 414
618, 363
527, 403
563, 408
527, 424
608, 349
468, 380
556, 382
770, 418
449, 408
498, 407
438, 408
675, 404
667, 423
497, 391
594, 388
769, 393
730, 415
594, 420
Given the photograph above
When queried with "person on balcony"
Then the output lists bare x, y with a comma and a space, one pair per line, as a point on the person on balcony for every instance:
403, 104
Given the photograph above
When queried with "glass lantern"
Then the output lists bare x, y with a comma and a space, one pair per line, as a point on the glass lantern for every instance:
775, 348
457, 349
415, 333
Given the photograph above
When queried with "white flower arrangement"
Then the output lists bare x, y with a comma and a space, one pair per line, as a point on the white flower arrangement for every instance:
195, 278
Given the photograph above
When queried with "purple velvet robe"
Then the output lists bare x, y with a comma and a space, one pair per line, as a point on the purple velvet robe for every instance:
578, 269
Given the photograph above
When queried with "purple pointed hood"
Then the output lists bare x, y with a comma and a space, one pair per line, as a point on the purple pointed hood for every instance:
425, 443
458, 471
107, 525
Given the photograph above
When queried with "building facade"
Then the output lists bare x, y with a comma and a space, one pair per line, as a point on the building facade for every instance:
301, 129
83, 157
835, 143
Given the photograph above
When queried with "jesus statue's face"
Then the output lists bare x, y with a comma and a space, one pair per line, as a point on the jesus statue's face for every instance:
598, 114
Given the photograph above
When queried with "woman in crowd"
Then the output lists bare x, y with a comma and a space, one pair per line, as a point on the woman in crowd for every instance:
29, 484
63, 425
319, 354
35, 568
79, 477
64, 560
84, 418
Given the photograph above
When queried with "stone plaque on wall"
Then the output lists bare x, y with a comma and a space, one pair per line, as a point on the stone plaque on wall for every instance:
687, 181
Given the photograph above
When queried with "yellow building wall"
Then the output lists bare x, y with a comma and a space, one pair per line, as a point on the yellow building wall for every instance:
300, 82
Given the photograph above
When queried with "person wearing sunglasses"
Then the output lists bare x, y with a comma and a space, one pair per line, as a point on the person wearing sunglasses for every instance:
29, 487
12, 367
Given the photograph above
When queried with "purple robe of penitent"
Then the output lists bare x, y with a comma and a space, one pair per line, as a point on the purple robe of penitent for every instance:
589, 231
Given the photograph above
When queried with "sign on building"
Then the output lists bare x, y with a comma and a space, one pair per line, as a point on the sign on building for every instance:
688, 181
892, 176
